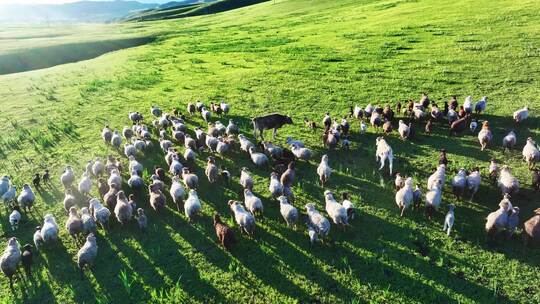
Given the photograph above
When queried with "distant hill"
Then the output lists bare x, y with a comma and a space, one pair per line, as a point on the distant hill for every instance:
195, 8
82, 11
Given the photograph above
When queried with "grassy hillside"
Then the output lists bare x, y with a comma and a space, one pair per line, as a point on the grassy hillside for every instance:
301, 58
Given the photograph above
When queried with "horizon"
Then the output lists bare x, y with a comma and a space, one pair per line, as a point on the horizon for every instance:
35, 2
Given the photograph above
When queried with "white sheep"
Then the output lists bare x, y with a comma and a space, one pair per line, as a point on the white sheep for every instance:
459, 182
68, 177
88, 222
245, 179
530, 152
403, 130
165, 144
509, 141
222, 146
15, 218
192, 205
513, 221
272, 150
74, 224
473, 181
26, 197
259, 159
190, 180
320, 224
498, 220
348, 205
224, 107
38, 240
10, 195
115, 178
245, 144
292, 142
473, 125
211, 142
438, 176
220, 128
127, 132
10, 259
288, 211
135, 181
177, 192
507, 182
433, 199
244, 219
49, 230
101, 213
116, 140
130, 150
324, 170
253, 203
5, 182
106, 134
521, 114
86, 256
449, 220
85, 184
98, 167
176, 166
301, 153
384, 152
335, 210
467, 104
404, 196
485, 136
205, 114
123, 209
232, 128
276, 188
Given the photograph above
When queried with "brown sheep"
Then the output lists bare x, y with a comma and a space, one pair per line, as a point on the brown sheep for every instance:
531, 228
157, 198
287, 178
387, 127
224, 233
459, 125
110, 197
103, 187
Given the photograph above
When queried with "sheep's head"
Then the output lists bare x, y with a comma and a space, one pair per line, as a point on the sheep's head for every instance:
193, 193
49, 218
12, 242
91, 238
310, 207
217, 219
283, 200
73, 211
140, 211
325, 158
85, 210
288, 120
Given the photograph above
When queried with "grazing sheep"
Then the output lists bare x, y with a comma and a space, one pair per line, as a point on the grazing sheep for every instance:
165, 144
129, 150
301, 153
127, 132
85, 184
222, 146
10, 195
473, 125
27, 259
211, 142
433, 199
205, 114
26, 198
493, 171
335, 210
38, 240
276, 188
387, 127
485, 135
74, 224
116, 140
513, 221
10, 259
245, 179
531, 154
191, 109
368, 110
190, 180
176, 166
521, 115
535, 179
98, 167
473, 181
399, 181
272, 150
259, 159
324, 170
69, 200
317, 221
88, 222
157, 198
459, 182
438, 176
160, 172
403, 130
404, 196
292, 142
211, 170
224, 107
531, 228
509, 141
507, 182
101, 213
135, 181
449, 220
497, 220
245, 144
110, 197
49, 230
123, 209
142, 220
103, 187
87, 254
15, 218
330, 139
106, 134
358, 112
116, 179
224, 233
232, 128
376, 120
288, 211
384, 152
327, 121
68, 177
139, 144
192, 206
480, 105
244, 219
253, 203
5, 183
190, 155
177, 192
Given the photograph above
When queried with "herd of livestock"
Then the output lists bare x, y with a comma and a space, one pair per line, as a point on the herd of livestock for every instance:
86, 212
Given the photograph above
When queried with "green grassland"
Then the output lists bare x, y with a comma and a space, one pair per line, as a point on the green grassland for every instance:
301, 58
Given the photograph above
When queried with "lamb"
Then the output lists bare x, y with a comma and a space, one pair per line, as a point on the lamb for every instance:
26, 198
509, 141
98, 167
497, 220
190, 180
485, 135
473, 125
10, 259
287, 178
459, 182
68, 177
399, 181
433, 199
232, 128
177, 192
404, 196
142, 220
245, 179
253, 203
157, 198
403, 130
530, 153
10, 195
387, 127
449, 219
317, 221
205, 114
301, 153
49, 230
245, 144
493, 171
521, 115
507, 182
106, 134
74, 224
363, 127
384, 152
36, 181
348, 205
192, 206
288, 211
110, 197
87, 254
135, 181
101, 213
85, 184
88, 222
335, 210
116, 140
276, 188
473, 181
123, 209
438, 175
156, 111
513, 221
244, 219
224, 233
259, 159
480, 105
15, 218
467, 104
27, 259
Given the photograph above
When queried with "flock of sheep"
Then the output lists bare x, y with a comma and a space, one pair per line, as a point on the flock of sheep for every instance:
136, 140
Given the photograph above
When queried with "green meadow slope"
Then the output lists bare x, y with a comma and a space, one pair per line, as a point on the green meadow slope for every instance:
301, 58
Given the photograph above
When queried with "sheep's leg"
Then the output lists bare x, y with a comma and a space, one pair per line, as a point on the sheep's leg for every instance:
402, 209
391, 164
383, 160
445, 227
449, 230
275, 133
